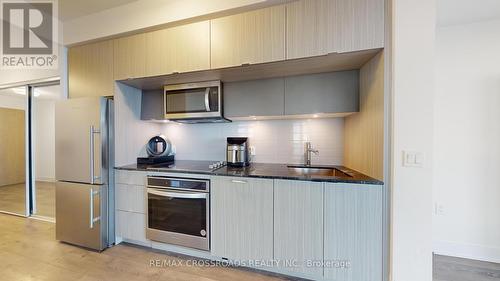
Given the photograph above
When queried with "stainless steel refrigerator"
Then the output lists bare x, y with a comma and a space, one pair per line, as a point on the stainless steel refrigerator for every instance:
84, 172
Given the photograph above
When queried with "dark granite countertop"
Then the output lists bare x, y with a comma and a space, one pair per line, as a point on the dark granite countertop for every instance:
257, 170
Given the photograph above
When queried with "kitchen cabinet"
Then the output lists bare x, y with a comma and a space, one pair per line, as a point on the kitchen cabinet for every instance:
319, 27
335, 92
242, 218
182, 48
353, 231
248, 38
131, 227
298, 224
254, 98
131, 206
129, 57
310, 28
130, 198
359, 24
90, 70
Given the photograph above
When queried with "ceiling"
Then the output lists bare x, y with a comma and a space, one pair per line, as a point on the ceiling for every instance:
455, 12
72, 9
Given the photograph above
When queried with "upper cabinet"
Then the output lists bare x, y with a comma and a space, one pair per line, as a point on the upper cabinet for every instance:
248, 38
178, 49
310, 28
319, 27
359, 25
90, 70
129, 57
254, 98
335, 92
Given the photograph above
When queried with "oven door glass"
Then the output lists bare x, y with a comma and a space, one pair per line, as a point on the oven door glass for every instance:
192, 100
178, 212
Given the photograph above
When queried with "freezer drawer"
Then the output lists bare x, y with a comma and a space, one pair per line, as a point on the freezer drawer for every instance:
80, 219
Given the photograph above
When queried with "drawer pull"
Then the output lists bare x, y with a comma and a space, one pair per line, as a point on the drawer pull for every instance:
239, 181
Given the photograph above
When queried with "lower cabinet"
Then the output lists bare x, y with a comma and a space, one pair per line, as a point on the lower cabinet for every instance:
298, 226
353, 232
130, 207
242, 218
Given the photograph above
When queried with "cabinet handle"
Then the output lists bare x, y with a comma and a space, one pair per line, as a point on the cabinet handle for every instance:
239, 181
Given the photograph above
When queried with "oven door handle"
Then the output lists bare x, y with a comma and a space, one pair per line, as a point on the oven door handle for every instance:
182, 195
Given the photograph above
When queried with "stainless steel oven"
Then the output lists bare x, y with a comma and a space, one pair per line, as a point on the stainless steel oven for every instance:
194, 102
179, 211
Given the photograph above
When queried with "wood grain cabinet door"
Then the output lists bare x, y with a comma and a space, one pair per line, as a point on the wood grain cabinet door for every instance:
353, 232
242, 218
90, 70
319, 27
310, 28
129, 57
359, 25
248, 38
298, 225
182, 48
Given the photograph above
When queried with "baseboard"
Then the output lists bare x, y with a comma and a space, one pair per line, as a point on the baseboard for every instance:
46, 179
468, 251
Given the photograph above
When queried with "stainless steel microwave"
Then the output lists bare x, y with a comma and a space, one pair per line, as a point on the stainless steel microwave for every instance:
199, 102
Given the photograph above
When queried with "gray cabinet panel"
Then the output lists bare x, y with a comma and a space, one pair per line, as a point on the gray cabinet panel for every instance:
334, 92
353, 231
298, 225
152, 107
242, 218
257, 98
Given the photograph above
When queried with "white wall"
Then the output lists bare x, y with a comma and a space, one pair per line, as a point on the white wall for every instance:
467, 141
44, 139
14, 102
275, 141
412, 56
126, 18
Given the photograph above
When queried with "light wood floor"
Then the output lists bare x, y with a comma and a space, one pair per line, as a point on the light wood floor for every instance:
457, 269
12, 198
28, 251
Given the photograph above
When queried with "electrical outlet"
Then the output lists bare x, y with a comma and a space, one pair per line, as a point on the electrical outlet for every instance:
252, 150
438, 209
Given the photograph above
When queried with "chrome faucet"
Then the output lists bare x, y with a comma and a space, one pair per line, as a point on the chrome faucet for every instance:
307, 153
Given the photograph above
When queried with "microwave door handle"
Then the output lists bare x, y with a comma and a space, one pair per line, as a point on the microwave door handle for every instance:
207, 99
178, 194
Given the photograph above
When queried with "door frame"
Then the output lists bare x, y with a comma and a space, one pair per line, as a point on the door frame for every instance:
32, 150
30, 198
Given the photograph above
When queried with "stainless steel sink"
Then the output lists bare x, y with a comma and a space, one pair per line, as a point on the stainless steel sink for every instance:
316, 171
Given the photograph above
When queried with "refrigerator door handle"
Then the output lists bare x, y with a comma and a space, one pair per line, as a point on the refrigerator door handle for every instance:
91, 151
92, 219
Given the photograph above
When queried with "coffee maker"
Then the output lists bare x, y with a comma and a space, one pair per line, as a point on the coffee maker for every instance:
237, 152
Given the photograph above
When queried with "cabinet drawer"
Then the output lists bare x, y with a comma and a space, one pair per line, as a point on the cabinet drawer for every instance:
130, 177
132, 227
130, 198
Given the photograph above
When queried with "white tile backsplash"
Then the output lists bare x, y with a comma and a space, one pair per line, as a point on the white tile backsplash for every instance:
275, 141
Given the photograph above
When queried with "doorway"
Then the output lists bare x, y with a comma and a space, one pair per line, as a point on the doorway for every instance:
27, 149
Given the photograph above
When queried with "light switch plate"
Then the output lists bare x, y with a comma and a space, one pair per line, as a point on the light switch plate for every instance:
413, 159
